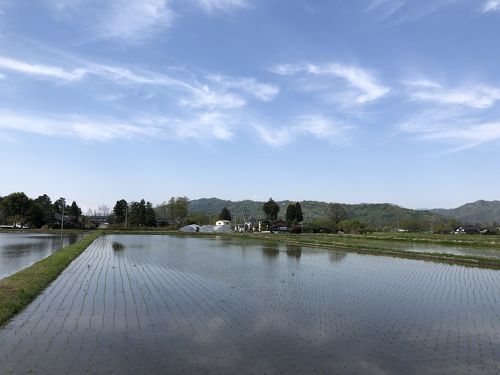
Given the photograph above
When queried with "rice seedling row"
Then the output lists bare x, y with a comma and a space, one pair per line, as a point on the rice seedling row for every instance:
149, 304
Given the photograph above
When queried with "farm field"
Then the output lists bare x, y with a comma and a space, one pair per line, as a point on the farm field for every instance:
472, 250
212, 305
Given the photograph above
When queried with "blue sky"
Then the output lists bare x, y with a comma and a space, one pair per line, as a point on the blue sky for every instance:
334, 100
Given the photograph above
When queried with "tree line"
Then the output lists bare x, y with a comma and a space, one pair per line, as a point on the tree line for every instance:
134, 214
18, 209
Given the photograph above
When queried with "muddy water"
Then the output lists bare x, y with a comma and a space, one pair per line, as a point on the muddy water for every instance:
20, 250
179, 305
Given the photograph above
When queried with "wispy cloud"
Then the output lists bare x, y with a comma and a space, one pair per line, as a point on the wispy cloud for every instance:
262, 91
491, 6
453, 127
117, 19
72, 126
478, 96
317, 126
205, 126
132, 20
221, 5
397, 11
217, 91
207, 98
41, 70
366, 85
2, 76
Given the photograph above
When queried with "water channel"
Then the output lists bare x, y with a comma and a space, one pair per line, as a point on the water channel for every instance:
182, 305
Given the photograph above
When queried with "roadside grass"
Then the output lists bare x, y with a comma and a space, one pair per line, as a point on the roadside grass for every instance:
18, 290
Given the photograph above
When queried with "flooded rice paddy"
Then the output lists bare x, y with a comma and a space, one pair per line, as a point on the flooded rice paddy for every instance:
22, 249
485, 252
166, 304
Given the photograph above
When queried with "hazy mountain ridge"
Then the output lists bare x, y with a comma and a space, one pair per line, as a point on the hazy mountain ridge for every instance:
377, 215
481, 211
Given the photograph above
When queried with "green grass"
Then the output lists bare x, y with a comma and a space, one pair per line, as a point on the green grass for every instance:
18, 290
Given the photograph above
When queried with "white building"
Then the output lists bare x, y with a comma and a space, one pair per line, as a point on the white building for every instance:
222, 222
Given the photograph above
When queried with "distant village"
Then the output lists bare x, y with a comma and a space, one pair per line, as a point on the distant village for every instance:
17, 211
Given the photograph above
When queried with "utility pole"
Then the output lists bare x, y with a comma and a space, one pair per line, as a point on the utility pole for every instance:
62, 218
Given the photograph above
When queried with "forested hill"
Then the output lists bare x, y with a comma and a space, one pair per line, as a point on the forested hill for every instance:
481, 211
373, 215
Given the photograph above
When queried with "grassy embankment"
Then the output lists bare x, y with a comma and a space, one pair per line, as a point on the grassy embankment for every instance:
18, 290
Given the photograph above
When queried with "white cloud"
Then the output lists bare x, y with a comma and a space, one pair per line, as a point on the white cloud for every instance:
452, 127
317, 126
207, 98
397, 11
132, 19
73, 126
274, 137
261, 91
205, 126
218, 92
129, 20
476, 96
422, 83
202, 126
366, 86
2, 76
491, 6
360, 79
221, 5
287, 69
41, 70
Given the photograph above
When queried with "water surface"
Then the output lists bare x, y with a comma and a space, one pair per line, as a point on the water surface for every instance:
486, 252
181, 305
22, 249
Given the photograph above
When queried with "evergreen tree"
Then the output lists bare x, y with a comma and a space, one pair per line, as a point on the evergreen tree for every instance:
58, 206
150, 215
225, 214
47, 207
271, 209
291, 214
74, 211
141, 215
294, 213
120, 210
133, 216
299, 216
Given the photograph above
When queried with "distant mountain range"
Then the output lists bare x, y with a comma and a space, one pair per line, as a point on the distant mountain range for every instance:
377, 215
484, 212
